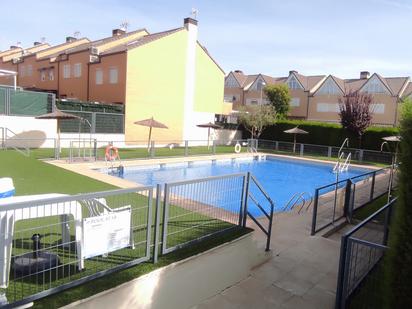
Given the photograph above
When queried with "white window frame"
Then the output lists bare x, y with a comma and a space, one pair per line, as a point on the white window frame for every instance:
51, 74
375, 85
98, 76
66, 71
294, 102
29, 70
113, 75
43, 75
322, 107
77, 70
377, 108
22, 70
329, 87
231, 82
293, 83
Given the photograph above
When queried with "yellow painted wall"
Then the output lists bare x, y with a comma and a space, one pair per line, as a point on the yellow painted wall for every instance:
155, 81
210, 84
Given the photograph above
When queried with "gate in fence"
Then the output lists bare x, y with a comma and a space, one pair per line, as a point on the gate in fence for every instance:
48, 242
362, 248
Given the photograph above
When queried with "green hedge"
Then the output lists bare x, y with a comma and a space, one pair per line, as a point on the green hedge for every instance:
398, 267
321, 133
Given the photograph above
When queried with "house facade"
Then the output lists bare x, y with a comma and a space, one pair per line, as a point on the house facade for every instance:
167, 75
317, 97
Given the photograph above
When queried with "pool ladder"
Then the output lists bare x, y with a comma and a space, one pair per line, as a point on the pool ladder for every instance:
301, 200
342, 167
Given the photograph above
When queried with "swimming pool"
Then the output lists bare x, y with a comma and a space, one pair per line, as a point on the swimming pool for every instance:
280, 177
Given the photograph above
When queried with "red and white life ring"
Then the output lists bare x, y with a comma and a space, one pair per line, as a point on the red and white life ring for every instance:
111, 153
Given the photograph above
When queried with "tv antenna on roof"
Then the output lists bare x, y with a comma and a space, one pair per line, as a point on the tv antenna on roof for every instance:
124, 25
43, 39
194, 13
76, 34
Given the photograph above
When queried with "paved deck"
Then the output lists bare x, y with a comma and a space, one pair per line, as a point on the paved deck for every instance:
302, 272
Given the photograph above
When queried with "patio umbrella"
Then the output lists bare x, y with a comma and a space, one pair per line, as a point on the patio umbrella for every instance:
209, 125
59, 115
295, 131
151, 123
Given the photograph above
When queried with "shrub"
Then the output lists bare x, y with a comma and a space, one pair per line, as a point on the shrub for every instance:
322, 133
398, 266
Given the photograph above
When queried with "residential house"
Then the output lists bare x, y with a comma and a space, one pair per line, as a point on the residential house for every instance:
316, 97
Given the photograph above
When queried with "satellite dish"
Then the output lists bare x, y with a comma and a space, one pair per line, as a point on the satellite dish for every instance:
194, 13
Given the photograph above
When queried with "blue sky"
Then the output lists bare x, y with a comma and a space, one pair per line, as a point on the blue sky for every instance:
271, 37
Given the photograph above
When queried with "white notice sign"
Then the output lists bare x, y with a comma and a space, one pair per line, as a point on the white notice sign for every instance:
106, 233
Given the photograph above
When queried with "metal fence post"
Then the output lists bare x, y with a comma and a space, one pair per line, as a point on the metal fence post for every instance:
93, 127
276, 145
157, 223
340, 298
329, 151
165, 217
315, 212
302, 147
95, 149
246, 199
372, 186
152, 149
347, 210
186, 148
387, 222
214, 147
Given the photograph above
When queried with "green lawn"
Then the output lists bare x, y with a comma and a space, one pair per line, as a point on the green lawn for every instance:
31, 176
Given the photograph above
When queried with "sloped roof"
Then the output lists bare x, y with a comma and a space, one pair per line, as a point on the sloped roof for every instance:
310, 81
397, 84
408, 90
354, 84
60, 45
96, 43
141, 41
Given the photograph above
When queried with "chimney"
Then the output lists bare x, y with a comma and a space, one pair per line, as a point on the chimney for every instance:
14, 47
189, 21
36, 43
70, 39
117, 32
239, 71
293, 71
190, 25
364, 75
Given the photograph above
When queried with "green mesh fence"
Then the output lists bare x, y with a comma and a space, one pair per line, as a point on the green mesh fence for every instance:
74, 125
28, 103
2, 101
109, 123
99, 123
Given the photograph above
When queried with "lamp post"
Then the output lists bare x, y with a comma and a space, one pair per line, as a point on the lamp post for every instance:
262, 85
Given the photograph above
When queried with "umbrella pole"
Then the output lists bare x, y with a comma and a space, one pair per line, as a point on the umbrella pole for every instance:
150, 137
294, 143
208, 137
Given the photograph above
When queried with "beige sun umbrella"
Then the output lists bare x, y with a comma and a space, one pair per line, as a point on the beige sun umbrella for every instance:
58, 115
151, 123
209, 126
295, 131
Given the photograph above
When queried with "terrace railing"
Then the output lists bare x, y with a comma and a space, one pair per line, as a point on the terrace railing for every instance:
339, 200
362, 248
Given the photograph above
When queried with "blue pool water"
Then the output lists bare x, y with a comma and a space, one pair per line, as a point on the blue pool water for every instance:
281, 178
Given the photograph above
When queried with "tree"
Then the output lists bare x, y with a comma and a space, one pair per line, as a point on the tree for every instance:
355, 113
279, 97
398, 266
256, 118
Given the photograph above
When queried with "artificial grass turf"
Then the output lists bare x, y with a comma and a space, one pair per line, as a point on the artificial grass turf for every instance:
31, 176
